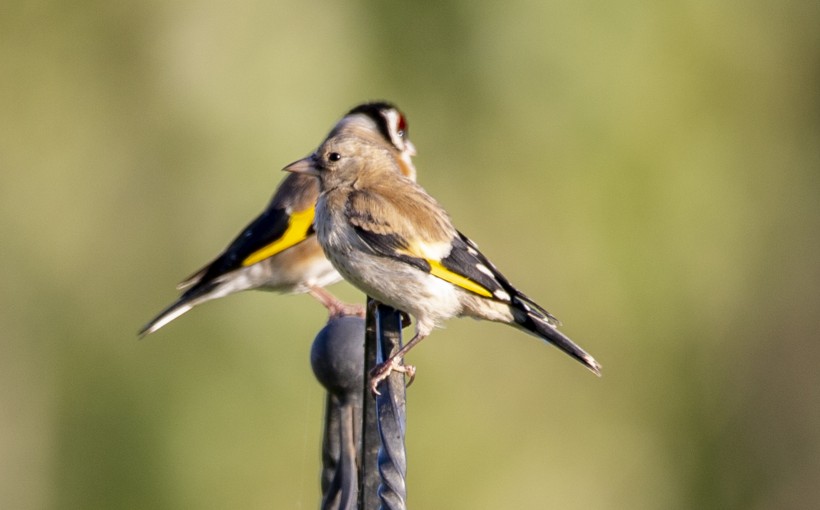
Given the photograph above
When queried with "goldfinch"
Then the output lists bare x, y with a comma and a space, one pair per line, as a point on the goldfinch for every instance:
393, 241
278, 250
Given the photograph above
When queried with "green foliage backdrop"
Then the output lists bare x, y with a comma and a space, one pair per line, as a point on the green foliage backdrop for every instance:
650, 172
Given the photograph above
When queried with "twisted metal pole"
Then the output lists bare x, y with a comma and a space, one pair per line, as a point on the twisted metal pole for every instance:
368, 474
361, 431
384, 463
391, 416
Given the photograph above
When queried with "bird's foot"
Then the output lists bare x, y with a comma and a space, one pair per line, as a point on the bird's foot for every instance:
336, 308
339, 309
382, 371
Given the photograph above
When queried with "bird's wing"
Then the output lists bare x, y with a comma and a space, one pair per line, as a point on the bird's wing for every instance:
429, 243
272, 232
467, 259
286, 222
377, 223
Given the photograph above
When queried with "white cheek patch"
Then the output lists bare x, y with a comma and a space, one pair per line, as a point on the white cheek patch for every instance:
392, 117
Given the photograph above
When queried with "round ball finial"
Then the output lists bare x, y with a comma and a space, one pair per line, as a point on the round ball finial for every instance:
337, 355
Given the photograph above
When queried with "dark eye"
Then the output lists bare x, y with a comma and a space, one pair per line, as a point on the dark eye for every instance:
334, 156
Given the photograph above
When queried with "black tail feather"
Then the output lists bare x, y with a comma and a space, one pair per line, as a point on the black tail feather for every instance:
543, 326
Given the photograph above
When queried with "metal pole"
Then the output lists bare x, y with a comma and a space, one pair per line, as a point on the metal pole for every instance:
361, 430
391, 416
368, 467
384, 463
336, 358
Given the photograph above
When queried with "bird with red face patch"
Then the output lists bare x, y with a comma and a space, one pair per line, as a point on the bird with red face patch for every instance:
278, 250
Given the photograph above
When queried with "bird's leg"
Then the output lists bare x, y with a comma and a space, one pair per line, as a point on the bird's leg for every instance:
383, 370
395, 363
335, 307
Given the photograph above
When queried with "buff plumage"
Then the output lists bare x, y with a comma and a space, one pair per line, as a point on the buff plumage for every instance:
278, 250
392, 240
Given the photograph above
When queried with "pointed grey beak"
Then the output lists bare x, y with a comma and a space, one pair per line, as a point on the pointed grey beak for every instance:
303, 166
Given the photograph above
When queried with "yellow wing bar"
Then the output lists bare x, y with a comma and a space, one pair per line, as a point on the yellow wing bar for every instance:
436, 269
297, 231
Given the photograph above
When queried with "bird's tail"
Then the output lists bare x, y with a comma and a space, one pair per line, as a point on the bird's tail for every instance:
191, 298
535, 320
177, 308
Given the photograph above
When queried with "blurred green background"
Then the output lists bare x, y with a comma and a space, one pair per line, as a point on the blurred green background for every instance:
650, 172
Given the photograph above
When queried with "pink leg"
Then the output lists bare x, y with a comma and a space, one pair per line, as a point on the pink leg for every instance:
395, 363
336, 308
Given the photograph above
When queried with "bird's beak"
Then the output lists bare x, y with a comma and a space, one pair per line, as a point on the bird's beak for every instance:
410, 148
303, 166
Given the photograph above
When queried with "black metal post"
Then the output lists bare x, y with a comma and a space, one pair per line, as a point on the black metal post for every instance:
391, 416
360, 430
368, 467
336, 358
384, 463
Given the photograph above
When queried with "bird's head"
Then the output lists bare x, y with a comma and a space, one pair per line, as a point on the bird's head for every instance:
383, 124
342, 160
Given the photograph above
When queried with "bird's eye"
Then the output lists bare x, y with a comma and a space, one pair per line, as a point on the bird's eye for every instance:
334, 156
402, 127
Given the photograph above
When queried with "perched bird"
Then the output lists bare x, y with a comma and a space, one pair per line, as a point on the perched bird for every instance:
278, 250
393, 241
